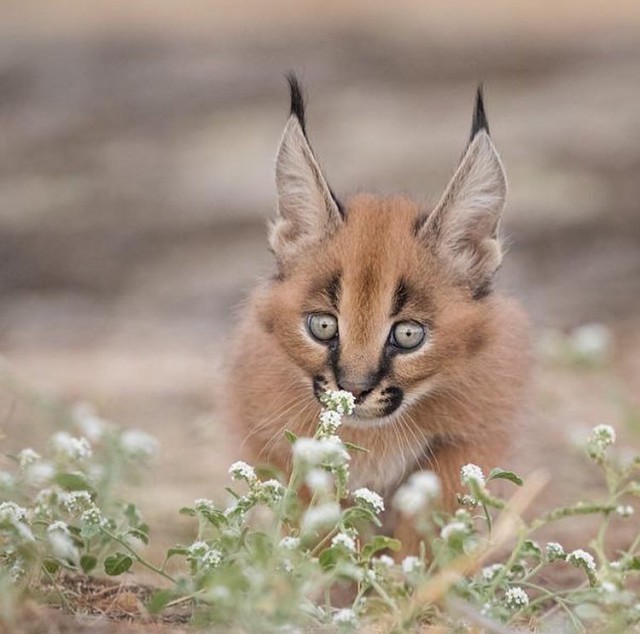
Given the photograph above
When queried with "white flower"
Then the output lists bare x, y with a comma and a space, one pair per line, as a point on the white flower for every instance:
342, 539
608, 587
330, 421
384, 560
289, 542
516, 598
17, 571
322, 515
591, 341
582, 559
345, 617
77, 501
369, 498
427, 482
6, 480
92, 517
138, 444
197, 549
62, 545
242, 471
212, 558
287, 566
318, 480
420, 489
272, 490
204, 504
489, 573
70, 447
624, 510
38, 474
453, 528
411, 564
555, 551
472, 473
28, 457
202, 554
339, 401
12, 513
408, 500
321, 451
88, 422
58, 526
604, 435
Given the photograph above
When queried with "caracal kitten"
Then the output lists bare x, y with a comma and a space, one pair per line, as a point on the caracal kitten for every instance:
394, 303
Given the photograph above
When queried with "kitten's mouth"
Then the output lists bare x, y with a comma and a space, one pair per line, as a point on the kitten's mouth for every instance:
375, 410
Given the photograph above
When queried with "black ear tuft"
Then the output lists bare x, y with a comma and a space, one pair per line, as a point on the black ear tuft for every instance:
297, 100
479, 116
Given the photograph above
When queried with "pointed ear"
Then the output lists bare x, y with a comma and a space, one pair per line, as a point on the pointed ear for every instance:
307, 210
463, 228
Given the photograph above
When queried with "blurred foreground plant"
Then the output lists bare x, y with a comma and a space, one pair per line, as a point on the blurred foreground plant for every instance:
279, 553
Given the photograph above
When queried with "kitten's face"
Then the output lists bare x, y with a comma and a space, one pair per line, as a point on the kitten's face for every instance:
379, 299
372, 310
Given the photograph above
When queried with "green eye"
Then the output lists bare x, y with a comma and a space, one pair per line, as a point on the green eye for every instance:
322, 326
407, 334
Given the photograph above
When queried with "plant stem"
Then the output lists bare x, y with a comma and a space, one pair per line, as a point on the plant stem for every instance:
49, 576
136, 556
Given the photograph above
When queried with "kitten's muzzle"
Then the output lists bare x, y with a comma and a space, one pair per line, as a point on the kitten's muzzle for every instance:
359, 386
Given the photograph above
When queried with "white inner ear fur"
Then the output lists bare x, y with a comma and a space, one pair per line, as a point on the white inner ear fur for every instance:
465, 222
307, 212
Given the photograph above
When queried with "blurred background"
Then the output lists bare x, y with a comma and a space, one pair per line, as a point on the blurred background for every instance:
136, 178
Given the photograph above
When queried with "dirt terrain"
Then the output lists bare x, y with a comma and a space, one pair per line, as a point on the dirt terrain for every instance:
136, 177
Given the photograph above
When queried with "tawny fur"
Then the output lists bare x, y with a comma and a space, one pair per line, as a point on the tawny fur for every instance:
464, 388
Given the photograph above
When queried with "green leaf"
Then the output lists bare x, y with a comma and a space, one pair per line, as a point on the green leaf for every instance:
158, 600
177, 550
529, 547
88, 563
350, 445
290, 436
117, 564
186, 510
378, 543
502, 474
329, 558
74, 482
139, 534
634, 564
217, 518
51, 566
360, 513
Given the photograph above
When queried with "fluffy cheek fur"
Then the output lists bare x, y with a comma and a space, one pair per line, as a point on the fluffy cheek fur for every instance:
280, 315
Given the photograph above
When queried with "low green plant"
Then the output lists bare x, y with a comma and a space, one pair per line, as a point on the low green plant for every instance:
281, 552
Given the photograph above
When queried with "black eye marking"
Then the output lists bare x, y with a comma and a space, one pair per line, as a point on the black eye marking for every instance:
333, 290
400, 297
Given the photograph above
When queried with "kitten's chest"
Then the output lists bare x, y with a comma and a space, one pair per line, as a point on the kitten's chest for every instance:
383, 469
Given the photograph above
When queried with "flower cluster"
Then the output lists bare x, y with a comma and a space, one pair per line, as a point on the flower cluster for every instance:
68, 447
472, 473
370, 499
242, 471
339, 401
327, 451
202, 557
417, 494
516, 598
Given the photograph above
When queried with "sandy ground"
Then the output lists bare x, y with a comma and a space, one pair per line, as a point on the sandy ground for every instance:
136, 177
